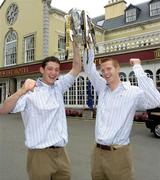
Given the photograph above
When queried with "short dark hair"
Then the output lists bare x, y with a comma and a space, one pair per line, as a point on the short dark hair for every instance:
50, 59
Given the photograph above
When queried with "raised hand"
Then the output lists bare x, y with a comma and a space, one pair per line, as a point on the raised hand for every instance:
28, 85
134, 61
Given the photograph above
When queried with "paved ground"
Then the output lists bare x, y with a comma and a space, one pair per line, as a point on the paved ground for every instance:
146, 149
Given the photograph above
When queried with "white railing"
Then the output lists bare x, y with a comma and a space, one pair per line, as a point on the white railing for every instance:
129, 43
140, 41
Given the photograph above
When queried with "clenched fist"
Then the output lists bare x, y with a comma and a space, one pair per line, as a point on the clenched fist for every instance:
28, 85
134, 61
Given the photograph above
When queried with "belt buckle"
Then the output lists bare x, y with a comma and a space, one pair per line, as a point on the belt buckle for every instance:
105, 147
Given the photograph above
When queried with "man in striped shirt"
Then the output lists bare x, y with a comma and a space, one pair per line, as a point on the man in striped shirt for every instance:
117, 104
43, 113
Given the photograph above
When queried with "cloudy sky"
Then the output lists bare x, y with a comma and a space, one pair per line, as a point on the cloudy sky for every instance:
94, 8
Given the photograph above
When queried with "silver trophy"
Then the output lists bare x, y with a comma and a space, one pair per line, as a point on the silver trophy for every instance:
76, 21
79, 28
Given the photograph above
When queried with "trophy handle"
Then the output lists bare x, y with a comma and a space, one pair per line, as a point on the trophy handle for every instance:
67, 35
83, 27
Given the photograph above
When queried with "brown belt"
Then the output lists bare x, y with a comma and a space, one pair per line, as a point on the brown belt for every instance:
105, 147
53, 147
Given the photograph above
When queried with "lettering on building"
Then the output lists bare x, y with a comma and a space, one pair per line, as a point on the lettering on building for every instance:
14, 72
157, 53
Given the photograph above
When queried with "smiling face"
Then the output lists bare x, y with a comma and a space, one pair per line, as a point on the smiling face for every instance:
110, 71
50, 72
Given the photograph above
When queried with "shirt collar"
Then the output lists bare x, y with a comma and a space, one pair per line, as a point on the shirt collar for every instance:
39, 83
123, 85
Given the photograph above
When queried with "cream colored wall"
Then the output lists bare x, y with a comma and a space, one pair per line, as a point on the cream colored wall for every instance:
99, 35
57, 27
29, 21
115, 9
132, 31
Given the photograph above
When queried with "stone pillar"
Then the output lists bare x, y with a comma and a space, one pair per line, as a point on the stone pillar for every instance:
46, 7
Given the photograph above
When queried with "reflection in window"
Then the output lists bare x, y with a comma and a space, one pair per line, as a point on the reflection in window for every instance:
10, 48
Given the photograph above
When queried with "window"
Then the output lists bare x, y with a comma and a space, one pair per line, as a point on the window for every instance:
61, 47
65, 98
2, 92
131, 15
72, 94
100, 23
133, 79
90, 93
155, 8
122, 76
80, 91
10, 48
61, 43
29, 48
149, 73
158, 79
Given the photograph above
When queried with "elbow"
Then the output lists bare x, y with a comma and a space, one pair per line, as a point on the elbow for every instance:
2, 111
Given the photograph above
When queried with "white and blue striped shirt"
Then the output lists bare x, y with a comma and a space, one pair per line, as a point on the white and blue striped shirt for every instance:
43, 114
116, 109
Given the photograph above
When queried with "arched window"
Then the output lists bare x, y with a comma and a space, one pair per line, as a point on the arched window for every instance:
149, 73
65, 97
123, 76
90, 93
72, 94
80, 91
158, 79
10, 48
132, 78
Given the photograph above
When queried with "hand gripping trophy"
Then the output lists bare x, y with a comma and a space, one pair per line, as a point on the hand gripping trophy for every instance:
79, 28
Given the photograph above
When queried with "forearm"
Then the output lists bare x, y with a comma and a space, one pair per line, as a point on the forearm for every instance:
77, 64
10, 102
90, 69
147, 85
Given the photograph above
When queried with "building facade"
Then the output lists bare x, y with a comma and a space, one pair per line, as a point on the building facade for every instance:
31, 30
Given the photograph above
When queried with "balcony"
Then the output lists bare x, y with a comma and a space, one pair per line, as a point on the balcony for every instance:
142, 41
132, 43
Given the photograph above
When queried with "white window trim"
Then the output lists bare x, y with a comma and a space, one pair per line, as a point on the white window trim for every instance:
131, 15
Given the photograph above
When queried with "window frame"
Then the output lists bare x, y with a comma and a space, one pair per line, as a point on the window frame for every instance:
154, 8
131, 15
30, 52
11, 39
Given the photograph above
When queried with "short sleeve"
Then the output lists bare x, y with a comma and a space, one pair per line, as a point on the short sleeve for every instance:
20, 105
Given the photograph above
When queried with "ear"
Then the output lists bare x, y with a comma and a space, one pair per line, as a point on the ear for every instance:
41, 70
